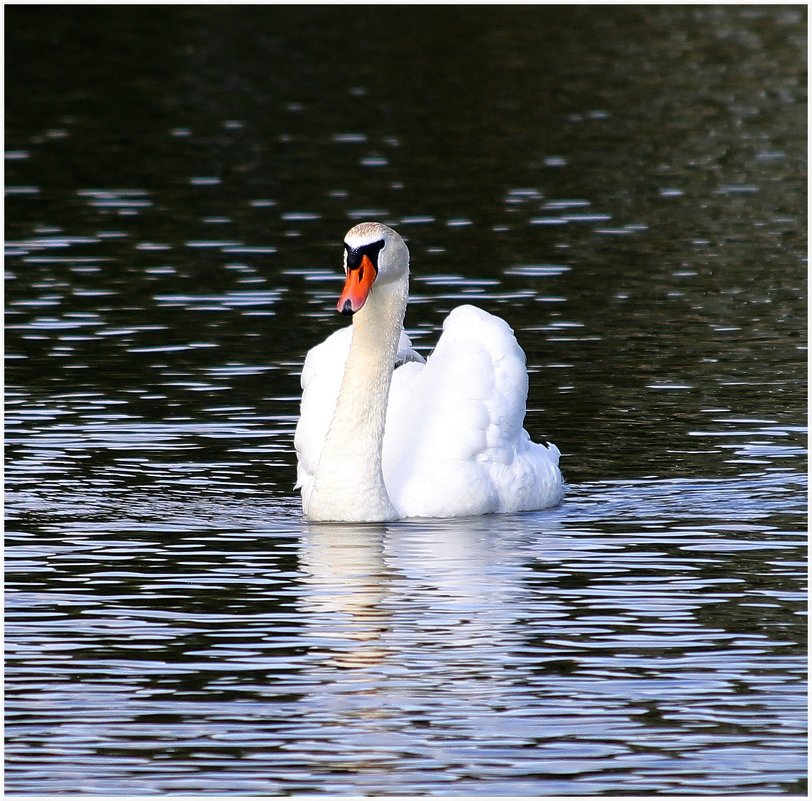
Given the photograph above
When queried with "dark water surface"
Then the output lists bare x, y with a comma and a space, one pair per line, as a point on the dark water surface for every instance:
626, 186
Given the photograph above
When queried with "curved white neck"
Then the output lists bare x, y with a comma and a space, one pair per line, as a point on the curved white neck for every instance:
348, 484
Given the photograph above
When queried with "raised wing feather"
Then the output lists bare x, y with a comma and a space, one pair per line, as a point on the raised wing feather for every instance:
454, 440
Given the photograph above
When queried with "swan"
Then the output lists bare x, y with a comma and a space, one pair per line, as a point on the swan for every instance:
384, 434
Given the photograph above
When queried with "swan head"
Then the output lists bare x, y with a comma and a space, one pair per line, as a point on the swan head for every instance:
374, 254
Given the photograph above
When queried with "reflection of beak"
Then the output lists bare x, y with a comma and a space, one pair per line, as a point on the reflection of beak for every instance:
356, 287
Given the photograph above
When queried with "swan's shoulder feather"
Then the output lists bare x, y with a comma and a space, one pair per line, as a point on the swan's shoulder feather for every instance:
321, 379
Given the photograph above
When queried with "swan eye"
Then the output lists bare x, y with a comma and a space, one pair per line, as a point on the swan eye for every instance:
355, 256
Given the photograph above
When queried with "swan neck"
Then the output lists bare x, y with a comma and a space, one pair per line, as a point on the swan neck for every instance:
349, 484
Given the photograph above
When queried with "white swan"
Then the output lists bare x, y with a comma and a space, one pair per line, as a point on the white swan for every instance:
436, 438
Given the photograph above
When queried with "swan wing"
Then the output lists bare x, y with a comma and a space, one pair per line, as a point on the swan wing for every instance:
455, 443
321, 379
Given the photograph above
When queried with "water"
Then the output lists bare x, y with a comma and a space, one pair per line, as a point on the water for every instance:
627, 187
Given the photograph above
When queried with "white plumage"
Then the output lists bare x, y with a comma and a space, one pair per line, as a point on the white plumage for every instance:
453, 441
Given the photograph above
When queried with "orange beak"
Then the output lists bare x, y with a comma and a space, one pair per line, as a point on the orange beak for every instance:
356, 287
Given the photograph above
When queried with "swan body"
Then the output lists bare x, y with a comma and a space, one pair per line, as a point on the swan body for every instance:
384, 434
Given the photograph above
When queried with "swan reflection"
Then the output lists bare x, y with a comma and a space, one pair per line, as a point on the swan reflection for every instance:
395, 594
348, 583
